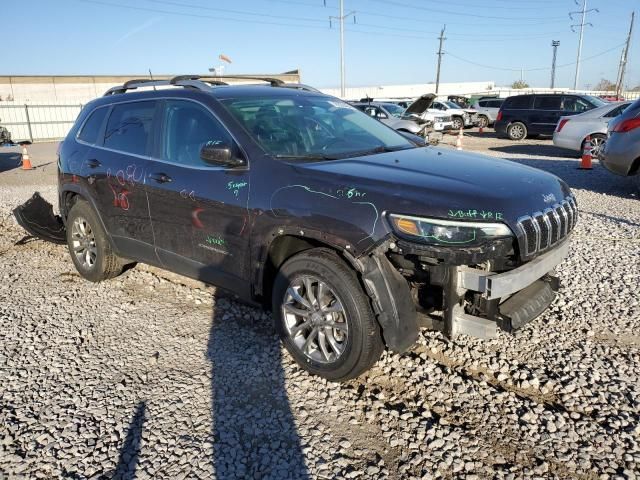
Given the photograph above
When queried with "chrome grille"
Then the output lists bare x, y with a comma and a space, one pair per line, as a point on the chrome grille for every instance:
541, 230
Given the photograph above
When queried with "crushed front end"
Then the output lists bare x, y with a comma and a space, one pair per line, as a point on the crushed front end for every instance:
475, 277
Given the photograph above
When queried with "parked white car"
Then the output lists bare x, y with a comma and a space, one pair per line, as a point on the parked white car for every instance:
421, 109
488, 109
572, 131
461, 117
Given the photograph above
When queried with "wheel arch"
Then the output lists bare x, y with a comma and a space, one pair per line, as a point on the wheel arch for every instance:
69, 195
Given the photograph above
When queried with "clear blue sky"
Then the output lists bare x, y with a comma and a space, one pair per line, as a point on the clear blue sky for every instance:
392, 41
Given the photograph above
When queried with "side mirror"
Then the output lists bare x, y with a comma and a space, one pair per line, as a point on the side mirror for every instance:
220, 154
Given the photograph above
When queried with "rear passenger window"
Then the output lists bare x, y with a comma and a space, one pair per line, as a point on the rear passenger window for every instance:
92, 126
576, 104
188, 126
495, 103
616, 111
129, 127
519, 102
483, 103
547, 103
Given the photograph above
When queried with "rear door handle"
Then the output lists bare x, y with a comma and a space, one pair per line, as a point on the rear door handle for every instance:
160, 177
93, 163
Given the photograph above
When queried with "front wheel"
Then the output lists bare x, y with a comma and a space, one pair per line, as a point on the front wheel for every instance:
517, 131
457, 123
483, 122
324, 317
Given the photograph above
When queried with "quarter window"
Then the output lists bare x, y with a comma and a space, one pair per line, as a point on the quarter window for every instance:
616, 111
92, 126
129, 127
188, 126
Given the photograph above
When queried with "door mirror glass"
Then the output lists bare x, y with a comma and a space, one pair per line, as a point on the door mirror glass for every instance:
219, 154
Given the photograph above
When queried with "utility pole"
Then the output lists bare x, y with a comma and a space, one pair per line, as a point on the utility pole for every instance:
555, 44
582, 24
623, 60
341, 18
442, 38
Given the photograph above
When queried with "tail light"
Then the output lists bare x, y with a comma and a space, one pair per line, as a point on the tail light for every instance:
499, 117
627, 125
562, 123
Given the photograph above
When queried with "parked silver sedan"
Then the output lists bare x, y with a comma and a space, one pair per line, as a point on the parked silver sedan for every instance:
572, 131
390, 114
621, 152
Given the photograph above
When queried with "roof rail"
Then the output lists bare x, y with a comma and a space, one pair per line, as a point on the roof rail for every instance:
202, 82
300, 86
275, 82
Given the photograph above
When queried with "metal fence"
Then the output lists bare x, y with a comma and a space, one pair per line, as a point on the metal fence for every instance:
38, 123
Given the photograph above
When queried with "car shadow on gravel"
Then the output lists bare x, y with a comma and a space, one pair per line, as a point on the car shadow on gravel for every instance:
9, 161
254, 432
128, 459
539, 149
598, 180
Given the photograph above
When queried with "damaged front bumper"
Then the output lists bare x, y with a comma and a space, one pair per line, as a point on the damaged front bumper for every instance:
472, 299
510, 299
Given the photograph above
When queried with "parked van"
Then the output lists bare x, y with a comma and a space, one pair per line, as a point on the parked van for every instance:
538, 114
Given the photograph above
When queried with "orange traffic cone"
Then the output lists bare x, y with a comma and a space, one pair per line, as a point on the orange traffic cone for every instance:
481, 129
459, 140
26, 161
585, 163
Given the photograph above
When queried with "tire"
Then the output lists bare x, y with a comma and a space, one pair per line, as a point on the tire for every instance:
483, 122
517, 131
457, 123
350, 349
597, 142
89, 246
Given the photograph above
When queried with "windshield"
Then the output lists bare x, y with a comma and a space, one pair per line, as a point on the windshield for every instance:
393, 109
598, 102
313, 127
453, 105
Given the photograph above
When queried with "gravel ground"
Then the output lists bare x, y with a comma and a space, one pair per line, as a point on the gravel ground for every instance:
151, 375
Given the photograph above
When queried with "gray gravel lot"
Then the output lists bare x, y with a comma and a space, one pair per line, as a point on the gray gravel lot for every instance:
152, 375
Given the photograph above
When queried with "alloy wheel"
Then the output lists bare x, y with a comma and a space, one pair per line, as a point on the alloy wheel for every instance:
83, 243
517, 132
315, 319
596, 146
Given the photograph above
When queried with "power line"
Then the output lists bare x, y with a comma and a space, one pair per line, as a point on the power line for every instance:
493, 67
464, 14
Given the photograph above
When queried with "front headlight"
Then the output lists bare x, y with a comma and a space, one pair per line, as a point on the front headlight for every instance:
447, 232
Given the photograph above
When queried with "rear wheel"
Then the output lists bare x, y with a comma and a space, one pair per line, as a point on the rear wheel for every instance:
517, 131
88, 245
597, 143
324, 317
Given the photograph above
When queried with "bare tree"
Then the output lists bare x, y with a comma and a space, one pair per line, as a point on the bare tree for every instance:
520, 84
605, 85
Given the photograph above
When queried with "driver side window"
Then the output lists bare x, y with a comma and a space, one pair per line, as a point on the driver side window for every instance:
187, 127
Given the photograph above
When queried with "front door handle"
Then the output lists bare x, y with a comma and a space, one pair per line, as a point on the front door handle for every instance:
160, 177
93, 163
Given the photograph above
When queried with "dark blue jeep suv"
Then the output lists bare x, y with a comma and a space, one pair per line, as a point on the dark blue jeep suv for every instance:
353, 234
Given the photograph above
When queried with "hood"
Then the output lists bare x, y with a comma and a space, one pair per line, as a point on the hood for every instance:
444, 183
420, 105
